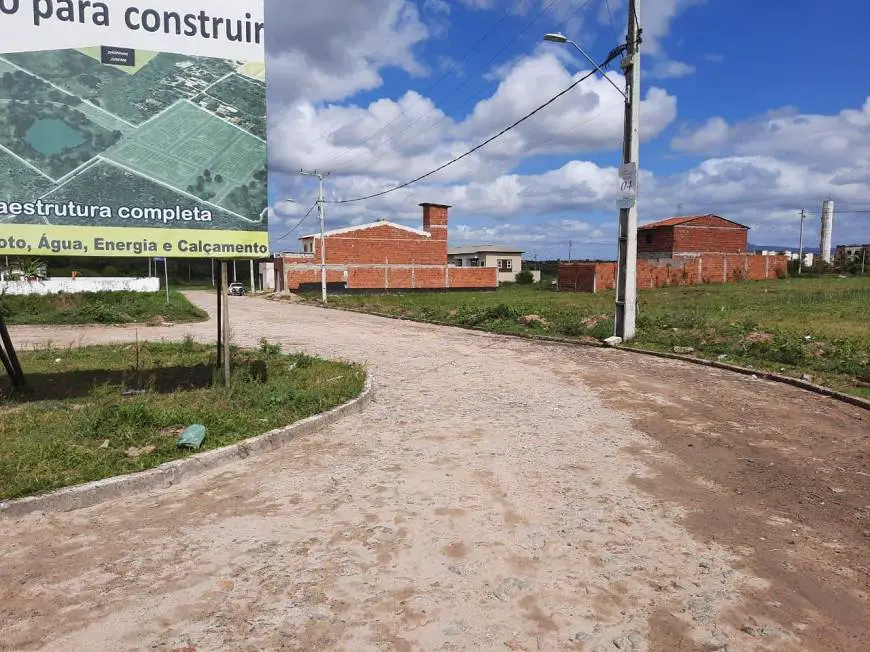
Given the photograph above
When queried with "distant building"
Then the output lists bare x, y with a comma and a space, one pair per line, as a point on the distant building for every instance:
383, 256
853, 252
682, 251
694, 234
507, 260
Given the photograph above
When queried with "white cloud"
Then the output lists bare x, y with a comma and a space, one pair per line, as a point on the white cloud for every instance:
823, 141
670, 69
329, 51
391, 141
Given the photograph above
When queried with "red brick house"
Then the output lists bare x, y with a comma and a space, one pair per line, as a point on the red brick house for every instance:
689, 235
383, 255
681, 251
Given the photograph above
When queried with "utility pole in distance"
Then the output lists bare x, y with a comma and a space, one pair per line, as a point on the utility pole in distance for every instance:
570, 245
626, 274
801, 245
322, 214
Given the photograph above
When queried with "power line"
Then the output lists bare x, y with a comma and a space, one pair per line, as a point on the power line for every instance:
480, 91
610, 14
432, 86
298, 224
473, 149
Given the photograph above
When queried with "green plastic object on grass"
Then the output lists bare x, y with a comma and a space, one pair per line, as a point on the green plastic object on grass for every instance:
192, 437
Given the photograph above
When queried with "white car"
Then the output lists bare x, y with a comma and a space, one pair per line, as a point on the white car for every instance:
237, 289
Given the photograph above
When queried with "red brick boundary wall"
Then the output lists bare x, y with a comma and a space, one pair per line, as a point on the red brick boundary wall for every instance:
667, 272
395, 277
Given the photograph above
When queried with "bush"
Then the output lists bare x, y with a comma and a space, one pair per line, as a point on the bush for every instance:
525, 277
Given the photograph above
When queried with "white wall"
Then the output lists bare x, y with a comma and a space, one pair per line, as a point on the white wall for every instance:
79, 285
267, 276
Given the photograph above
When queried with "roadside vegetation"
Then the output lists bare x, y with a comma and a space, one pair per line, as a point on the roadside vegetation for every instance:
100, 308
97, 412
815, 328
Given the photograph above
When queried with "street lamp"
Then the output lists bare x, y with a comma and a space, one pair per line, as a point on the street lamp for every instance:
556, 37
625, 318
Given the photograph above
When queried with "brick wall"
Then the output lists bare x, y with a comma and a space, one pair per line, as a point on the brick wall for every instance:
380, 245
384, 257
681, 270
396, 277
693, 238
655, 241
578, 277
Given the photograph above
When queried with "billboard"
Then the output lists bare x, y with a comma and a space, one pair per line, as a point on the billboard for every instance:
133, 128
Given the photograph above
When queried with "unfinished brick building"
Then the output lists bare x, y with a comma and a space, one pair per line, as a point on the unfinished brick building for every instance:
383, 256
681, 251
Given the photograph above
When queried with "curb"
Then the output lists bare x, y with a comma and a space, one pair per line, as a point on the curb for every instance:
767, 375
175, 472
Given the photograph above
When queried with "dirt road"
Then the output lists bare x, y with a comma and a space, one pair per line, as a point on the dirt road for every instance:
499, 495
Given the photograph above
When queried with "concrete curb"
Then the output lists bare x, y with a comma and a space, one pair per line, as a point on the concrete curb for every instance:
171, 473
767, 375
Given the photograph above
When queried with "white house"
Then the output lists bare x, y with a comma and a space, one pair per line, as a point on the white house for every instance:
508, 260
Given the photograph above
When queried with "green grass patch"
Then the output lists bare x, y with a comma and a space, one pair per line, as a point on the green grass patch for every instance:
85, 410
100, 308
816, 326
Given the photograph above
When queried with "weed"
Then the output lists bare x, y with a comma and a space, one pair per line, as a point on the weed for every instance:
269, 349
99, 308
62, 422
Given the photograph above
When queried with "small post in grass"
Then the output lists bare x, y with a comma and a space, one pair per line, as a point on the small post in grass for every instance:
166, 274
226, 323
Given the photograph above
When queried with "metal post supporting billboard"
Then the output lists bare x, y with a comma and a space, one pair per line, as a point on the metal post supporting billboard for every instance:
226, 323
220, 323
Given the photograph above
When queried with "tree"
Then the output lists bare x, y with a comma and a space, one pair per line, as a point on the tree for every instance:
525, 277
218, 178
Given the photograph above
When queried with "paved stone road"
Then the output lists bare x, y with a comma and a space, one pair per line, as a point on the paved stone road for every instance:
499, 494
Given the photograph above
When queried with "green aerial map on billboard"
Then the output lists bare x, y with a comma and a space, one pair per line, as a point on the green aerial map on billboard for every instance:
113, 150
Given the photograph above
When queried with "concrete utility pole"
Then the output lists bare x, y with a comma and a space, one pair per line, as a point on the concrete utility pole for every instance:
321, 210
626, 276
570, 246
801, 245
253, 285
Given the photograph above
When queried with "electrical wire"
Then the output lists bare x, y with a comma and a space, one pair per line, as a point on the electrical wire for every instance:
610, 14
418, 134
297, 225
432, 86
473, 149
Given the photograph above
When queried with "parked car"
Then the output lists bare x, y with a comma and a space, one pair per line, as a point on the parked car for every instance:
237, 289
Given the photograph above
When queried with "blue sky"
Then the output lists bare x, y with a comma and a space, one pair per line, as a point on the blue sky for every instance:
749, 111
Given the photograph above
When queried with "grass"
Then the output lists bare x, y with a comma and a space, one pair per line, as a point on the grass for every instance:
99, 308
77, 421
764, 325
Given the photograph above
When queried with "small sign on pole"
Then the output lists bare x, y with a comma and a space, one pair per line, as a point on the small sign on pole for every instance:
627, 186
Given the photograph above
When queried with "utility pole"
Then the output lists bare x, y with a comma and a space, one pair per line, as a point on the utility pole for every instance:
626, 276
253, 285
801, 245
570, 246
321, 210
